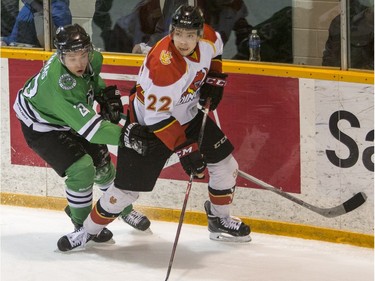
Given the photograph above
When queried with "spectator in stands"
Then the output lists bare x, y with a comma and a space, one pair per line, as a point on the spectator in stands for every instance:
136, 27
103, 20
276, 37
225, 16
149, 22
27, 32
9, 12
361, 48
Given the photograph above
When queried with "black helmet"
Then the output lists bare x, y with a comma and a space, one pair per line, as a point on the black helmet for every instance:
188, 17
72, 38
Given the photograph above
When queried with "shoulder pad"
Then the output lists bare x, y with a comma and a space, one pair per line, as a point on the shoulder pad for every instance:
209, 33
165, 64
96, 62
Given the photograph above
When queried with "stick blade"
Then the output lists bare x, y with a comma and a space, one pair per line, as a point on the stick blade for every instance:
346, 207
354, 202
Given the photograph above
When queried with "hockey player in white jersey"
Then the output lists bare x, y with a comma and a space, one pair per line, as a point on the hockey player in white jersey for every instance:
181, 71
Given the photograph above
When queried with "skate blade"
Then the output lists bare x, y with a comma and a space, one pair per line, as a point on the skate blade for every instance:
229, 238
148, 231
110, 241
89, 245
77, 249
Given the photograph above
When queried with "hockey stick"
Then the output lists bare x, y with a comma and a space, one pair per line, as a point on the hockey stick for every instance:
200, 138
351, 204
346, 207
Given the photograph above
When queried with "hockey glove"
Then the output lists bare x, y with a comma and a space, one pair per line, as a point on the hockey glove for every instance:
138, 138
213, 88
191, 159
110, 104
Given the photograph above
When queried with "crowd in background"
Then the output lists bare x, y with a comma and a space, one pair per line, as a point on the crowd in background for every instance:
149, 21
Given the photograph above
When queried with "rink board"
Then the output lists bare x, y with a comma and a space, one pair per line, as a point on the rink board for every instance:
309, 136
259, 114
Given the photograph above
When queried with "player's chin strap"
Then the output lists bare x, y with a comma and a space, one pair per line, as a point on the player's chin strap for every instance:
200, 138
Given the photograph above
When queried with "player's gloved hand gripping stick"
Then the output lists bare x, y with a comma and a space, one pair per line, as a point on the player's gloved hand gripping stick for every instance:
110, 104
213, 88
191, 159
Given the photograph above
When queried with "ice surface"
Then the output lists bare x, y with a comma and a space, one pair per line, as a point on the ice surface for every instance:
29, 252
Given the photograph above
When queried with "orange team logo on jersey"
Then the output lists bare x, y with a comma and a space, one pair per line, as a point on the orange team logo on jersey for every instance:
190, 92
112, 200
165, 57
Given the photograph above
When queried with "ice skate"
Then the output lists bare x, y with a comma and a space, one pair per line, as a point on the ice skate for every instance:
137, 220
228, 229
73, 240
104, 236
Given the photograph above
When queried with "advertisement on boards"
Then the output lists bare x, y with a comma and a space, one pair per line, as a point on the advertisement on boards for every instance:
259, 114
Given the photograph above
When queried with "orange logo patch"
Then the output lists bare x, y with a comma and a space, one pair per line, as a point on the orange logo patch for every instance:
165, 57
112, 200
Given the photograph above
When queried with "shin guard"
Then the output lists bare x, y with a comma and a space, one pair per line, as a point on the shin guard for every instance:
108, 208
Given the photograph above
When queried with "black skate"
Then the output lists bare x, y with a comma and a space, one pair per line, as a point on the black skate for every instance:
227, 229
78, 238
137, 220
104, 236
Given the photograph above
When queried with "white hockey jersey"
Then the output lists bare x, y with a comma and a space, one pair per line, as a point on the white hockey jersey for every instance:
168, 86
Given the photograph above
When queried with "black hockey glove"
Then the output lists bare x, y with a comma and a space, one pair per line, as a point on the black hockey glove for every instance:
191, 159
213, 88
138, 138
110, 104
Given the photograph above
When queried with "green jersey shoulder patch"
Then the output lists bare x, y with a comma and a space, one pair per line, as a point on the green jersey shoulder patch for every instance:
67, 82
